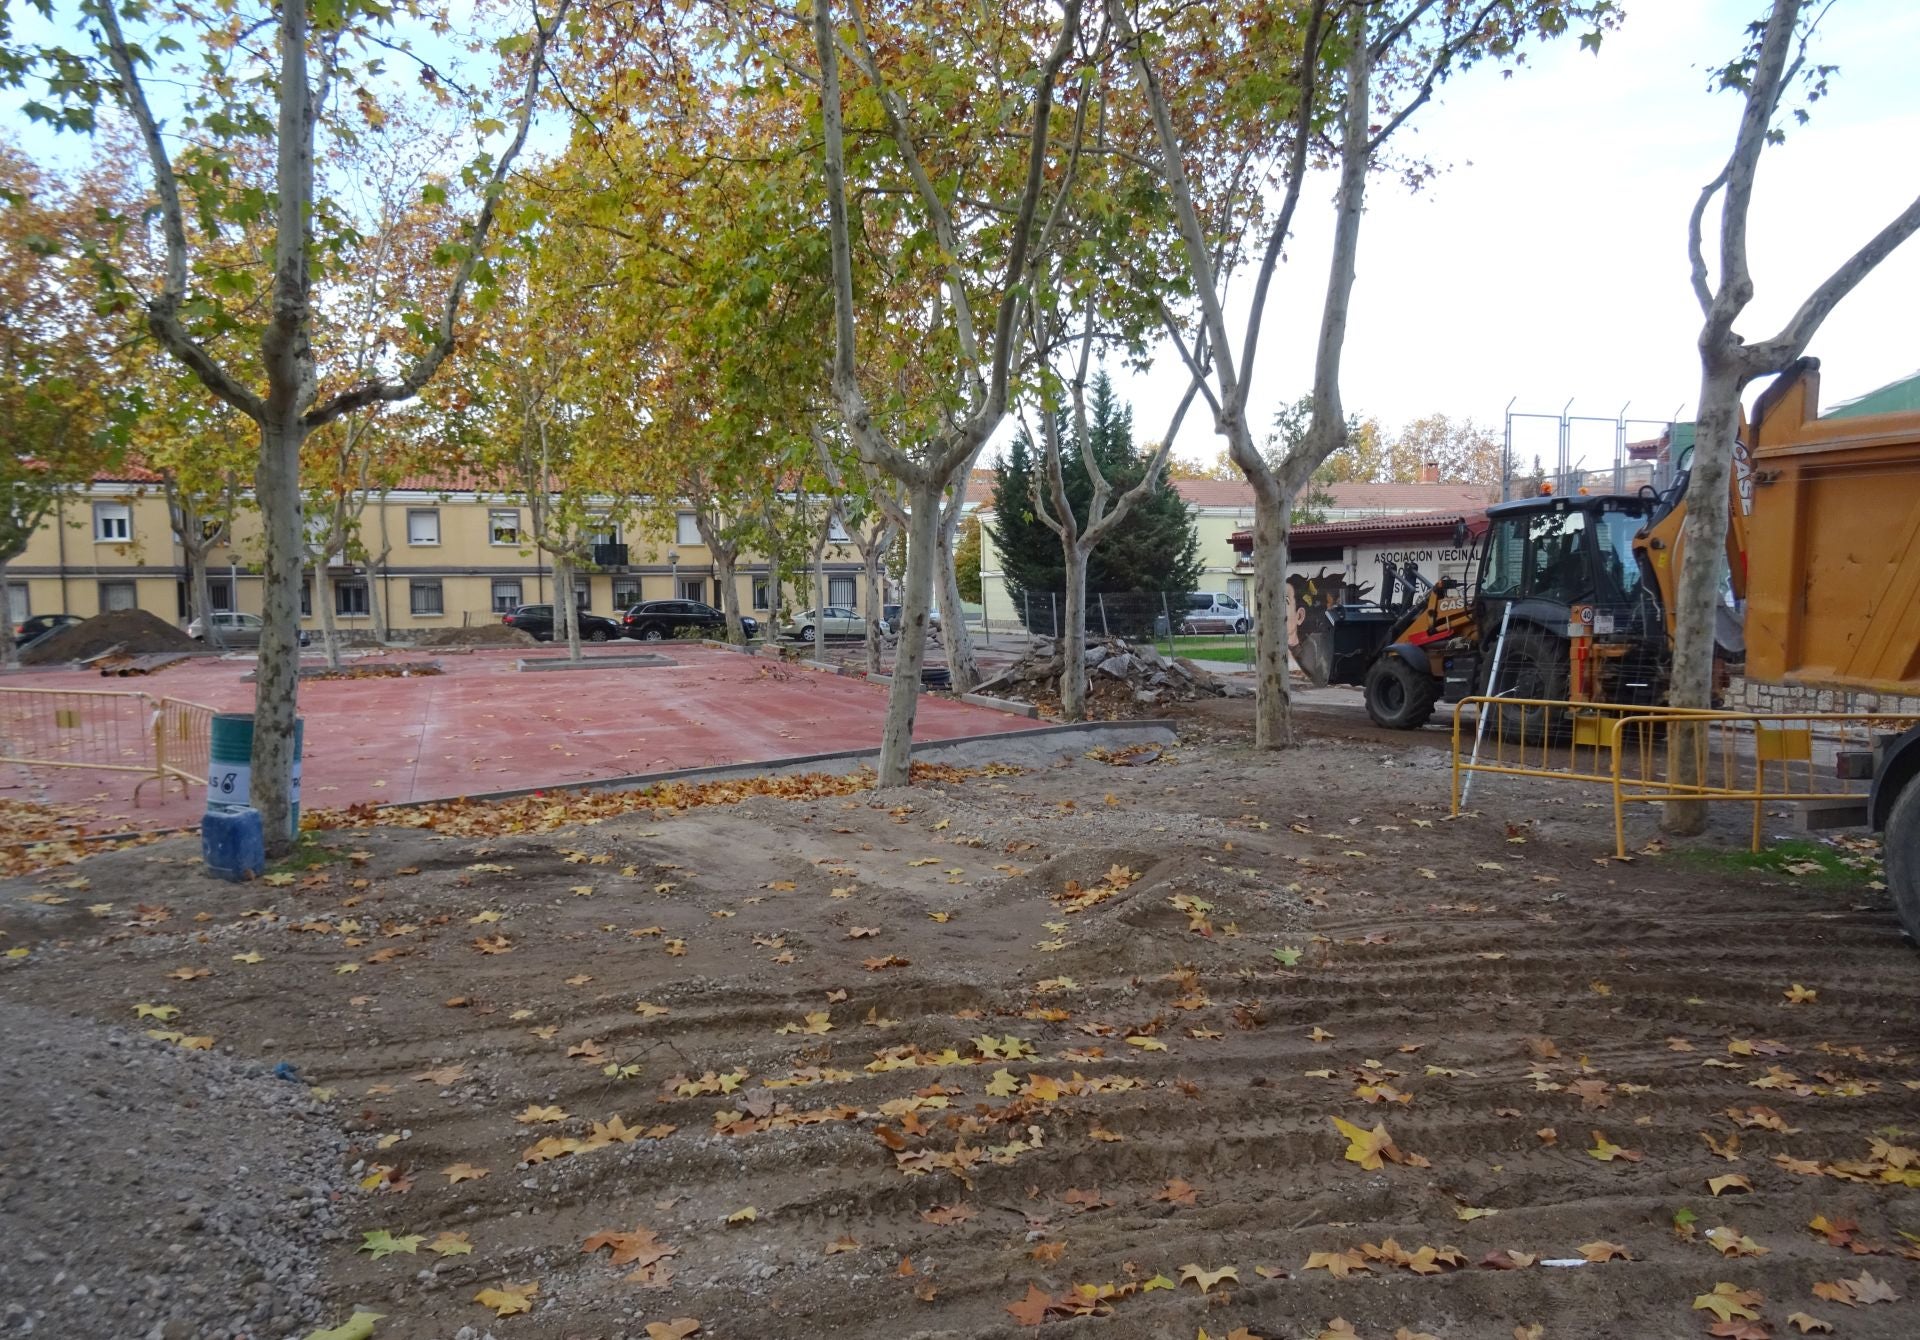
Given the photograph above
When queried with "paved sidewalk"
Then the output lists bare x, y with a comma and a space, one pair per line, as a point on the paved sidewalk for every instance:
485, 726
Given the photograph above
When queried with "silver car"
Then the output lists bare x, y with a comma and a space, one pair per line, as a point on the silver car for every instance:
235, 630
835, 620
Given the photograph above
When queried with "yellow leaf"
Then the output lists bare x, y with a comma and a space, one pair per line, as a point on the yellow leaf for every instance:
357, 1327
254, 957
462, 1172
160, 1012
1730, 1182
1206, 1279
450, 1243
1003, 1084
1800, 995
1728, 1301
1469, 1212
1365, 1147
533, 1115
509, 1300
746, 1216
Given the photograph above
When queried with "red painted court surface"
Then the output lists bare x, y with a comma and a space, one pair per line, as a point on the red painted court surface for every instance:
483, 725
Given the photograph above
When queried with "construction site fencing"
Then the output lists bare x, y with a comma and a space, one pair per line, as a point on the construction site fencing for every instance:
106, 731
1645, 755
1821, 759
1547, 739
1161, 618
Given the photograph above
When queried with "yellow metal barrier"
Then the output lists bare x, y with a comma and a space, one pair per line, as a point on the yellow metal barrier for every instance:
77, 728
1544, 738
183, 739
107, 731
1757, 758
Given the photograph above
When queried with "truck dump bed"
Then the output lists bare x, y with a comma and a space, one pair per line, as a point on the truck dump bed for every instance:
1833, 544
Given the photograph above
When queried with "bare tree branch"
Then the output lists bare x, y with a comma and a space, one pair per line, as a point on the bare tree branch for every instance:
1775, 354
430, 359
163, 310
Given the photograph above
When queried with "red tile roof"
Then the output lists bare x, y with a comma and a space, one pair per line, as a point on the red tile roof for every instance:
1359, 530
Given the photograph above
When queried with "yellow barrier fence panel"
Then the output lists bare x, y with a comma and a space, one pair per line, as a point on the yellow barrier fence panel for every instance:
99, 730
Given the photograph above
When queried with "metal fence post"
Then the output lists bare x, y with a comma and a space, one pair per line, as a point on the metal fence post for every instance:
1053, 619
1101, 596
1165, 613
1026, 611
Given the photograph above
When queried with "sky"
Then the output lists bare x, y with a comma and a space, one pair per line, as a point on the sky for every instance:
1545, 266
1548, 260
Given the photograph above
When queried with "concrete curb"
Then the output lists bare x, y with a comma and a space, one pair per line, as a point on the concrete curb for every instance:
1039, 746
595, 663
1013, 705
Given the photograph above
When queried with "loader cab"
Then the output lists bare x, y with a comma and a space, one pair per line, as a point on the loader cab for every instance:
1551, 564
1546, 555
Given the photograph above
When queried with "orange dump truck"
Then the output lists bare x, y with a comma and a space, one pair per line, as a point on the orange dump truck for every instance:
1833, 579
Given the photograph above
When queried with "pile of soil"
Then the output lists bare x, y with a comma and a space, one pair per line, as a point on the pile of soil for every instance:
1122, 678
132, 631
478, 635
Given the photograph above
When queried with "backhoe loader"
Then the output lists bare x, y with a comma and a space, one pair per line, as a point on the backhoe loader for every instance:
1576, 594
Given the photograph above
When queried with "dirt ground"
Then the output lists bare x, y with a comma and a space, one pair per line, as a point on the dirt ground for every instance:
1002, 1051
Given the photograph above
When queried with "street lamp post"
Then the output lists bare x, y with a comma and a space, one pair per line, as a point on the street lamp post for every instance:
673, 561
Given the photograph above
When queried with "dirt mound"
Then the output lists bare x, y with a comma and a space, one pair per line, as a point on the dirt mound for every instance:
135, 632
478, 635
1123, 678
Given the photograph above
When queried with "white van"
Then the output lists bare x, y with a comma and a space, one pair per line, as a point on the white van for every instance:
1215, 612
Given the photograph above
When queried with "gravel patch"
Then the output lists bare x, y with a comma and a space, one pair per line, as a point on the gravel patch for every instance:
153, 1193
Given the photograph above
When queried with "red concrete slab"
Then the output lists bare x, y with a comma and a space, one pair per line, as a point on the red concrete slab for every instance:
484, 725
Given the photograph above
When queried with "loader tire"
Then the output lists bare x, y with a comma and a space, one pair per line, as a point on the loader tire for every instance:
1902, 847
1399, 697
1533, 665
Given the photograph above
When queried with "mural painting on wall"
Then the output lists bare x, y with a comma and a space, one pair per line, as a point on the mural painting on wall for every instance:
1310, 605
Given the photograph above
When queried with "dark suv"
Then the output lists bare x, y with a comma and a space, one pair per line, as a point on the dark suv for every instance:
538, 621
657, 620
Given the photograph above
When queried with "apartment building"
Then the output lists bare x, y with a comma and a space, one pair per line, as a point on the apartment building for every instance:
456, 553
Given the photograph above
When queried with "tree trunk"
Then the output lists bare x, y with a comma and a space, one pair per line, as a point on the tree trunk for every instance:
1073, 644
323, 597
273, 788
724, 556
9, 652
566, 612
1273, 712
820, 594
203, 595
961, 666
903, 698
1699, 565
870, 558
376, 575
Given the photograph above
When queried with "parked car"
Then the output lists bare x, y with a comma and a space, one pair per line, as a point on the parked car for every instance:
657, 620
236, 630
1214, 612
537, 620
32, 630
890, 617
835, 620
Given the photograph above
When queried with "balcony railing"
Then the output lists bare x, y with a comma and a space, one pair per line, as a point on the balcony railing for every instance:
609, 555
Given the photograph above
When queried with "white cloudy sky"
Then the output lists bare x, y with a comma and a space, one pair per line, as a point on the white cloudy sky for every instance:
1549, 261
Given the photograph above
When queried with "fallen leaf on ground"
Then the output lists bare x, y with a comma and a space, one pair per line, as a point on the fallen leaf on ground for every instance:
533, 1115
510, 1299
450, 1243
357, 1327
1206, 1279
1607, 1152
1603, 1250
1808, 1323
677, 1329
1031, 1310
462, 1172
381, 1242
1728, 1301
743, 1216
1729, 1182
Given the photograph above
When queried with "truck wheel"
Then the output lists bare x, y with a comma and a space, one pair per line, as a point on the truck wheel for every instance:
1398, 696
1533, 665
1902, 845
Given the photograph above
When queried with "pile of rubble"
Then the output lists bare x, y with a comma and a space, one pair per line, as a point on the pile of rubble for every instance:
1121, 676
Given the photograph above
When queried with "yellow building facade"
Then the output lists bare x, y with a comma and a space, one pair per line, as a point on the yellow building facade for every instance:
454, 557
